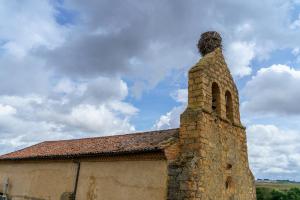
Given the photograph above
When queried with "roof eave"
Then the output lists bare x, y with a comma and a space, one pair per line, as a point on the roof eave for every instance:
89, 155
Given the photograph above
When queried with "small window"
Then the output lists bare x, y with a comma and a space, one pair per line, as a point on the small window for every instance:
215, 104
228, 166
229, 109
230, 187
228, 183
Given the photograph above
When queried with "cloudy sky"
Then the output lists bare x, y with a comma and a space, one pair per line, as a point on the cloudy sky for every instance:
72, 69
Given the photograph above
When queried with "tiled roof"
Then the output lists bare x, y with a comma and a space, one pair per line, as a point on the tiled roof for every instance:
97, 146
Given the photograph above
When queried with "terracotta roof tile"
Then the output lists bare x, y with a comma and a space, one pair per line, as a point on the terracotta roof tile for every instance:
109, 145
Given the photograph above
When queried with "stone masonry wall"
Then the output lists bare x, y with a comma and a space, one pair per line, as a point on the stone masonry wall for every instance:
213, 161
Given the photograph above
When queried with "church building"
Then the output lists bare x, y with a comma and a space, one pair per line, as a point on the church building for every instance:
205, 158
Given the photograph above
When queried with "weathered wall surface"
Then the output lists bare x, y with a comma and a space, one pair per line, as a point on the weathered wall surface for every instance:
216, 165
126, 180
35, 181
113, 180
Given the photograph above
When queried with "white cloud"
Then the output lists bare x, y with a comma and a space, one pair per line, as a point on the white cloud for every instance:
66, 86
273, 90
239, 56
7, 110
296, 51
130, 44
149, 71
93, 108
28, 25
106, 88
295, 24
180, 95
272, 151
123, 107
37, 103
172, 118
25, 27
51, 120
21, 101
98, 119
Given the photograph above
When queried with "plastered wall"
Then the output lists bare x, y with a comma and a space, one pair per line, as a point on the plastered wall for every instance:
127, 180
98, 180
34, 181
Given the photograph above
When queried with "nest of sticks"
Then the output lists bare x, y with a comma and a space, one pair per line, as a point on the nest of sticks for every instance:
209, 41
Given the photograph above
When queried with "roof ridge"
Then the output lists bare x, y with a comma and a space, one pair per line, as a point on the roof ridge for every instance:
108, 136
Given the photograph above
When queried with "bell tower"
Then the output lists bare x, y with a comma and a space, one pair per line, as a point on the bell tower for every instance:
213, 163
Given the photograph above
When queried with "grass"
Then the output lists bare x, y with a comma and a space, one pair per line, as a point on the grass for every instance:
278, 186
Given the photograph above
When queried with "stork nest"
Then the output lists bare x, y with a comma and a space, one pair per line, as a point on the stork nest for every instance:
209, 41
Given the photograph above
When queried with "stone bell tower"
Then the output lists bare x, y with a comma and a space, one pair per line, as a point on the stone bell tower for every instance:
213, 163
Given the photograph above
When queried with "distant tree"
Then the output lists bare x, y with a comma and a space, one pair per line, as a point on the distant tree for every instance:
293, 194
260, 194
263, 193
278, 195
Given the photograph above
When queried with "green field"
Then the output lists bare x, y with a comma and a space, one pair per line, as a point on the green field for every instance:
278, 186
278, 191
